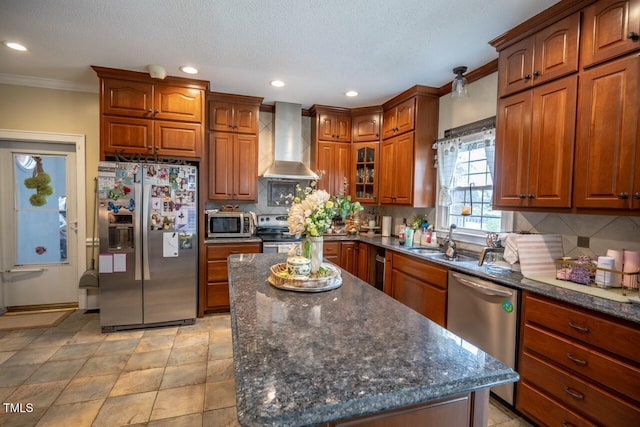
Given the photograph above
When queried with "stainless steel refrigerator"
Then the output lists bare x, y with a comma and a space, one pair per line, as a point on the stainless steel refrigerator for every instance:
148, 261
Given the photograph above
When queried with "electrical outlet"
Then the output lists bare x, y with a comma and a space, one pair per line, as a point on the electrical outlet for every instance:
583, 242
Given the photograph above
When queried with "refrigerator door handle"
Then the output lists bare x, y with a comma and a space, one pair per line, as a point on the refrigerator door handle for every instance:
146, 195
136, 226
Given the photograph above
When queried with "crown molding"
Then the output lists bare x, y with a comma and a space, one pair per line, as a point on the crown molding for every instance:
17, 80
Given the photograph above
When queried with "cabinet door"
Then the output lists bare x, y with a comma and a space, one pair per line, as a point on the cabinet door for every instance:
324, 163
348, 257
178, 103
220, 166
126, 98
552, 141
220, 116
178, 139
245, 167
389, 123
606, 143
403, 168
326, 127
341, 168
334, 159
513, 139
127, 135
363, 265
364, 175
366, 128
343, 128
515, 65
556, 50
420, 296
331, 252
611, 29
245, 118
405, 116
387, 172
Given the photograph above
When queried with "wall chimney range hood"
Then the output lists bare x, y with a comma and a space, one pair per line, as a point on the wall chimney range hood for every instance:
287, 131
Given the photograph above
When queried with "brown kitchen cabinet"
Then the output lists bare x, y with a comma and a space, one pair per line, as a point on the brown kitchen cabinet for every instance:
233, 113
611, 28
399, 119
140, 115
577, 366
607, 172
216, 295
418, 284
396, 182
233, 166
333, 126
334, 158
534, 146
546, 55
365, 125
365, 263
331, 251
365, 171
349, 256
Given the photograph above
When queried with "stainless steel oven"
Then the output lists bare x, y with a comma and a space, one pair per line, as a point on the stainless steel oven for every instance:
274, 232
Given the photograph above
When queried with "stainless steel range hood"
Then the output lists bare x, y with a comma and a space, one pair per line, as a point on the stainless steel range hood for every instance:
287, 130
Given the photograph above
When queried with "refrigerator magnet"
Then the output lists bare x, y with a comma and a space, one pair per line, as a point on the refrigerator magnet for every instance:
170, 245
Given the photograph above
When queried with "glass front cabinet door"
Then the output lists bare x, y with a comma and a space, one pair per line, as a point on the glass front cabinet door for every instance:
365, 172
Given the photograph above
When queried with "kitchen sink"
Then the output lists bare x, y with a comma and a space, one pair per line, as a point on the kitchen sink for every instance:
422, 251
458, 258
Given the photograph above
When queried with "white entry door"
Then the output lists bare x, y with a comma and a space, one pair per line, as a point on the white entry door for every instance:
41, 219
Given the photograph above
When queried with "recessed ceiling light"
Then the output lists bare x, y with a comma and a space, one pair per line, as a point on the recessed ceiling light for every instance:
276, 83
15, 46
351, 93
189, 69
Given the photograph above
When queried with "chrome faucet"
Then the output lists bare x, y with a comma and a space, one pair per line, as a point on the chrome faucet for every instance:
486, 250
448, 245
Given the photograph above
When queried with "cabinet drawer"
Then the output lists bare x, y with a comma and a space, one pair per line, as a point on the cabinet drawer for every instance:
421, 269
546, 410
222, 251
617, 336
330, 249
217, 271
591, 364
575, 393
218, 295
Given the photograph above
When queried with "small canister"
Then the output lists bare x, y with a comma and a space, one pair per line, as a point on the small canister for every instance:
298, 266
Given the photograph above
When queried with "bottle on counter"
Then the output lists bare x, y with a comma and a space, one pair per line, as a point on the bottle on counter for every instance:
408, 237
401, 237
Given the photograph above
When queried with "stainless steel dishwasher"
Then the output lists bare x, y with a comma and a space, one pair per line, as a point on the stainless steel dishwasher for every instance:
485, 314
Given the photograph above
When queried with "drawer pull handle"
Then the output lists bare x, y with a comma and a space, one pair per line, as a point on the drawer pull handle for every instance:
579, 328
573, 393
576, 360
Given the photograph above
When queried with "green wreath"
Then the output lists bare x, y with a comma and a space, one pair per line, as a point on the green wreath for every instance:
40, 182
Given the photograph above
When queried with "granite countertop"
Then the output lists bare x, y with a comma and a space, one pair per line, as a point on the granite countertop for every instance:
218, 240
309, 358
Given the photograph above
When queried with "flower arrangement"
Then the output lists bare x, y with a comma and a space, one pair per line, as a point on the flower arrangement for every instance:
419, 221
311, 213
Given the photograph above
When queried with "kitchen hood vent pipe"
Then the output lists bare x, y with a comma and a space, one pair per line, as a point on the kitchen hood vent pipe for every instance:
288, 145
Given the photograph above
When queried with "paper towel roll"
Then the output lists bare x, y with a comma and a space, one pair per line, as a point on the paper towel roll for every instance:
630, 264
616, 279
386, 226
604, 279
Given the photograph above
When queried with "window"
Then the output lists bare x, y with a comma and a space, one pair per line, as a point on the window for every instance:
465, 177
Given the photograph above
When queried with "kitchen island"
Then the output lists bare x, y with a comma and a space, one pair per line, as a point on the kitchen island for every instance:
352, 354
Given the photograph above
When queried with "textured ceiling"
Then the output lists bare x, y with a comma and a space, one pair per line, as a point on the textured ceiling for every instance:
320, 48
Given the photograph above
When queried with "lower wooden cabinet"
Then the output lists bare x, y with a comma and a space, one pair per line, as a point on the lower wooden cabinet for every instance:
418, 284
217, 290
353, 256
577, 366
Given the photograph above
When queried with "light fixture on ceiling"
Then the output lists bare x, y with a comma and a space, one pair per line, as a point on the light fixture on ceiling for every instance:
351, 93
15, 46
460, 85
189, 69
276, 83
157, 71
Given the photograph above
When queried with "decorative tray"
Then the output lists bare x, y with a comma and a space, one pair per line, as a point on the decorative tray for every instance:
331, 280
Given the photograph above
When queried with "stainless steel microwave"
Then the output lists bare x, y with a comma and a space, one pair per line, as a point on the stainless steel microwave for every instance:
229, 224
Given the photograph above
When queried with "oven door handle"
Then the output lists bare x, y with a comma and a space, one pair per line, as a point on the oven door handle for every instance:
478, 286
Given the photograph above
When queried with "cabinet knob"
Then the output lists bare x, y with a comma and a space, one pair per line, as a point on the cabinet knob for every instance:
377, 135
231, 126
149, 110
526, 77
633, 36
536, 74
522, 196
531, 196
636, 196
157, 111
623, 196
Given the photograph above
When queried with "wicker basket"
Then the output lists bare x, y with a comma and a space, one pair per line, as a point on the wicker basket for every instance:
305, 284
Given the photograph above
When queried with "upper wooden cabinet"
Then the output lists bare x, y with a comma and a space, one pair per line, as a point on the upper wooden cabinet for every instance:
399, 119
544, 56
534, 146
233, 113
396, 181
335, 160
333, 126
141, 115
607, 149
611, 28
365, 171
366, 127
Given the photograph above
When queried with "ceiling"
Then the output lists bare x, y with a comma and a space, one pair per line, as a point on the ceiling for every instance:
319, 48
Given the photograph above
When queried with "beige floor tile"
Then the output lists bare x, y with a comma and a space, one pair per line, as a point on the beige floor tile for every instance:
40, 395
222, 350
21, 419
123, 335
57, 370
188, 355
220, 336
73, 415
5, 392
220, 370
160, 331
137, 381
50, 340
175, 402
4, 355
184, 375
103, 365
29, 356
192, 420
496, 413
155, 342
125, 410
191, 339
220, 394
87, 388
109, 348
16, 375
14, 343
75, 351
84, 337
225, 417
147, 360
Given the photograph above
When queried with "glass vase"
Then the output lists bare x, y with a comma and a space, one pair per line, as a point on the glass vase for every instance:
314, 252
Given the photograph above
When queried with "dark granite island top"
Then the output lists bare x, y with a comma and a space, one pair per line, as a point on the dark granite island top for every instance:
313, 358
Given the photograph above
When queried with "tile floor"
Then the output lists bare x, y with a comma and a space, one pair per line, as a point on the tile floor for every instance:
74, 375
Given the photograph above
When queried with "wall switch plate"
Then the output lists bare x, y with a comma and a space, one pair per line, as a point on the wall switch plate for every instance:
583, 242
